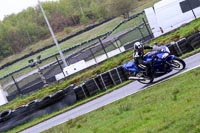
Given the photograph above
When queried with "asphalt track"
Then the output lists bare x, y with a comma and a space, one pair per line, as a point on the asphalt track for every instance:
191, 63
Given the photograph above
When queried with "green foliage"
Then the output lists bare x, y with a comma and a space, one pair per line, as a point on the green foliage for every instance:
120, 7
28, 27
68, 30
84, 20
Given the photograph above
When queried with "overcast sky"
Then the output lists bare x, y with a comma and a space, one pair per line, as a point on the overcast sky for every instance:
8, 7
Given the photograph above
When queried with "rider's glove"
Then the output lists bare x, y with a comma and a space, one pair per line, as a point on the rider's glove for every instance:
157, 48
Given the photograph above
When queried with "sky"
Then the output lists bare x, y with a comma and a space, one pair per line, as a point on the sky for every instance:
8, 7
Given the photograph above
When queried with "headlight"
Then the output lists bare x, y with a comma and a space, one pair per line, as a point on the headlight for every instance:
165, 55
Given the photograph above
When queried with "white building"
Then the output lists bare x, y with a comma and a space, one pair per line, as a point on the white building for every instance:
167, 15
3, 99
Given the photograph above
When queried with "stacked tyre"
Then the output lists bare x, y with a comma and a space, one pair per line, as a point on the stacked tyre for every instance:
105, 80
5, 115
122, 73
172, 49
184, 46
194, 40
81, 92
115, 76
92, 87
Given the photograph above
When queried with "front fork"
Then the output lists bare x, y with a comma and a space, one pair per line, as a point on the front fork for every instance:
169, 60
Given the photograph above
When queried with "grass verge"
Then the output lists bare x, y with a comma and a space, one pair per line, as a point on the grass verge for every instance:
171, 106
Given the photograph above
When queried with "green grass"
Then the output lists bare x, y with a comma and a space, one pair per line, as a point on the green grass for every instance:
171, 106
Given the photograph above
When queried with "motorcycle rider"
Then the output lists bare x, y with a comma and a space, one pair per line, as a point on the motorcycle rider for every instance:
138, 55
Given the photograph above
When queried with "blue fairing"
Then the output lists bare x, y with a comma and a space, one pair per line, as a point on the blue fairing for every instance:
158, 64
130, 66
171, 57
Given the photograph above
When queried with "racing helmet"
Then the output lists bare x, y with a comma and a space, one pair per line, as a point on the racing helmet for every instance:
138, 46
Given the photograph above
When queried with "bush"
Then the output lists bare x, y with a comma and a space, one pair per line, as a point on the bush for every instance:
68, 30
84, 20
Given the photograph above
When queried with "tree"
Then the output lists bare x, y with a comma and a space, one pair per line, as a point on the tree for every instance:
98, 9
120, 7
17, 31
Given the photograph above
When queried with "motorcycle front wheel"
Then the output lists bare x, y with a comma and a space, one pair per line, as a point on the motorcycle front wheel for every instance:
178, 64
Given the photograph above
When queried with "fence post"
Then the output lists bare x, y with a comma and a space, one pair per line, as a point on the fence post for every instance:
117, 44
103, 46
44, 80
93, 55
17, 86
60, 66
141, 33
147, 28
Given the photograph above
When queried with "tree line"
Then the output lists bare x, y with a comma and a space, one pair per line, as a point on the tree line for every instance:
17, 31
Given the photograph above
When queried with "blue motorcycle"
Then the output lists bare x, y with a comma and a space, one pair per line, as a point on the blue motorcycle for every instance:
162, 62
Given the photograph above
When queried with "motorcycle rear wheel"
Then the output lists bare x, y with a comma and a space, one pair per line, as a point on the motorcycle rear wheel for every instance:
146, 80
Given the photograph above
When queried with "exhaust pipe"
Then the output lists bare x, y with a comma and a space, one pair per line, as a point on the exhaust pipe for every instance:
136, 78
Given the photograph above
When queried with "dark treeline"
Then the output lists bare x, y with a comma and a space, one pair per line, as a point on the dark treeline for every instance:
17, 31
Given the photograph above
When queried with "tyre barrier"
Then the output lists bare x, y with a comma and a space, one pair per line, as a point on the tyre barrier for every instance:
122, 73
195, 43
44, 102
180, 47
22, 111
173, 49
192, 36
19, 116
5, 115
60, 99
68, 89
105, 80
81, 92
33, 105
184, 46
57, 96
115, 76
70, 96
101, 82
92, 87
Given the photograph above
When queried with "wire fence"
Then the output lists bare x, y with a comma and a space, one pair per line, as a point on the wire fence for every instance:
27, 79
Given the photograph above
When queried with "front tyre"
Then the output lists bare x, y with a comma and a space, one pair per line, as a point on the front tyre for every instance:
178, 64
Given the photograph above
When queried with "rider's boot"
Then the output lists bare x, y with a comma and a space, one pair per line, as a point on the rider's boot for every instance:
149, 72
